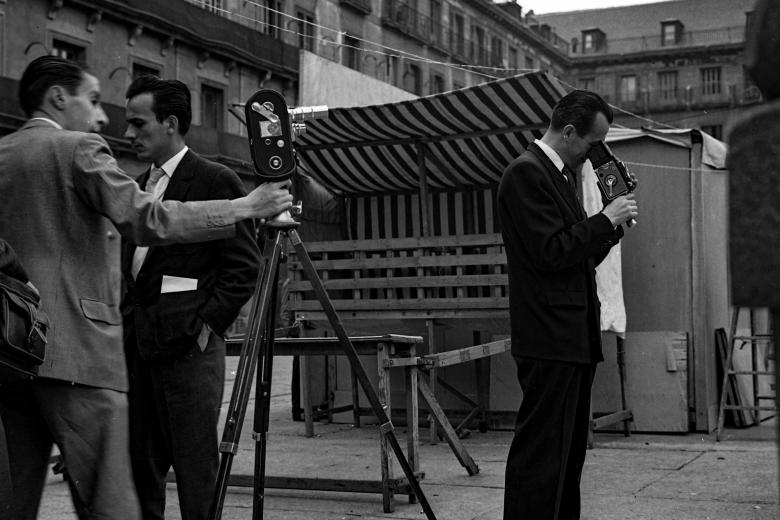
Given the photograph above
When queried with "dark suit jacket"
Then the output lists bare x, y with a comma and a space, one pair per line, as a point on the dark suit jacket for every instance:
167, 325
552, 249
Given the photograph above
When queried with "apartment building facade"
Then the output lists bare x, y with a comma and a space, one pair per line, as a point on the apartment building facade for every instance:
222, 62
422, 46
677, 63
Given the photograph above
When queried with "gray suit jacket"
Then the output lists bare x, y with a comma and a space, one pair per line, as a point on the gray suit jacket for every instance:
63, 199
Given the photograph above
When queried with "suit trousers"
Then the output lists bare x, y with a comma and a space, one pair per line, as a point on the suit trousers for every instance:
90, 427
174, 411
551, 433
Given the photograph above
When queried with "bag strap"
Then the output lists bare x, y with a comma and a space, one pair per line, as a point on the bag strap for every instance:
20, 288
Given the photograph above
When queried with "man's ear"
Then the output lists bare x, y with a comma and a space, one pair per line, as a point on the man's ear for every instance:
171, 125
56, 94
568, 131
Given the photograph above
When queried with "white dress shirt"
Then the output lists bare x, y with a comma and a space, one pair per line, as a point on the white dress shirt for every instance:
159, 191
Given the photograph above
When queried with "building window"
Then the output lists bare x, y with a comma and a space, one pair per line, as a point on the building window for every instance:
750, 21
436, 16
671, 32
413, 80
514, 60
212, 107
628, 89
478, 48
68, 51
529, 63
305, 29
212, 6
458, 35
496, 52
270, 16
588, 84
351, 52
437, 84
144, 70
715, 131
667, 85
392, 70
710, 81
593, 40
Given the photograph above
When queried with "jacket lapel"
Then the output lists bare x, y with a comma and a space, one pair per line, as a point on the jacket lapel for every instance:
181, 178
565, 190
176, 190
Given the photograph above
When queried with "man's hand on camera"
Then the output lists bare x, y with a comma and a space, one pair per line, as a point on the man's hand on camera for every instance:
621, 210
267, 200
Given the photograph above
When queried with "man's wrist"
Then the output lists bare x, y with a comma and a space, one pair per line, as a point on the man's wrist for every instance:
241, 209
612, 222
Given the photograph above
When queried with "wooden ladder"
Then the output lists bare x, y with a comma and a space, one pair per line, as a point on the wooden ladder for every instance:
729, 395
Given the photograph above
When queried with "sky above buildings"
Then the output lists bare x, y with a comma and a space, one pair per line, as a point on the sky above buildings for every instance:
555, 6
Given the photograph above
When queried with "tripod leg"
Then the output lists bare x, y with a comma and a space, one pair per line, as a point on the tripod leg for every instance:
246, 367
263, 401
386, 426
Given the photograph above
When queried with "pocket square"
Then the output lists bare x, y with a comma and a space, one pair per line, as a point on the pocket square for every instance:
172, 284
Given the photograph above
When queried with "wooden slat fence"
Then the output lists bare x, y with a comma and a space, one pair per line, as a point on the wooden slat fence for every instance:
436, 277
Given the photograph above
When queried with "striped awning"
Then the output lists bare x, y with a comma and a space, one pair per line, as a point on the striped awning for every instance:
453, 140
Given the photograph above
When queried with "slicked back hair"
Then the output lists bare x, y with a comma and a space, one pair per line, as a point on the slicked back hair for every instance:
579, 108
43, 73
170, 98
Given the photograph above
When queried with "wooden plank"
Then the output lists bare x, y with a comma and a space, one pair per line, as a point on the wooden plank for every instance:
381, 262
399, 485
447, 430
383, 391
430, 327
355, 285
448, 304
412, 419
334, 246
463, 355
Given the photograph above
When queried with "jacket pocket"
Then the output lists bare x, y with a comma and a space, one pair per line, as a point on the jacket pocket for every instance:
567, 299
99, 311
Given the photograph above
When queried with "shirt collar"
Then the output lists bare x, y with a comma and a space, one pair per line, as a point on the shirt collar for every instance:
551, 154
171, 164
52, 122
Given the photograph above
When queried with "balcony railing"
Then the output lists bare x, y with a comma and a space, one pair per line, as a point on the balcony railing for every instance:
724, 35
401, 16
363, 6
686, 98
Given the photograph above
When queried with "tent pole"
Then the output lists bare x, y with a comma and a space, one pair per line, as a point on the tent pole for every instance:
424, 208
425, 225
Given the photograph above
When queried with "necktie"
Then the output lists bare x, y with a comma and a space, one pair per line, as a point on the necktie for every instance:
570, 178
156, 188
155, 174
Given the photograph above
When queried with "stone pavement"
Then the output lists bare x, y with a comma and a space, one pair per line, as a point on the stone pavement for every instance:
642, 477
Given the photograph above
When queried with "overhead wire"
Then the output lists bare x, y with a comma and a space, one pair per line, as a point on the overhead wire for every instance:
399, 53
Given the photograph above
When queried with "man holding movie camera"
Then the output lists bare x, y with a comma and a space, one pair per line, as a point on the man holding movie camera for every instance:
552, 249
65, 199
180, 300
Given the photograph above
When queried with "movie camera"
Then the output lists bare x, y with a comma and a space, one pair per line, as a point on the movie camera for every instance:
614, 179
273, 128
